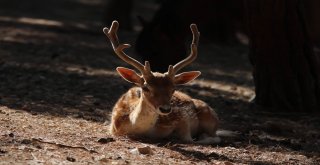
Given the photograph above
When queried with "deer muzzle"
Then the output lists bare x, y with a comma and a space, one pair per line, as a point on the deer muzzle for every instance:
165, 109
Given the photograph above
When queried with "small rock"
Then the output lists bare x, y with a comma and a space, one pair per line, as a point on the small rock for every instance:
22, 147
105, 140
228, 163
11, 134
2, 151
71, 159
105, 160
142, 150
117, 158
102, 158
38, 146
134, 151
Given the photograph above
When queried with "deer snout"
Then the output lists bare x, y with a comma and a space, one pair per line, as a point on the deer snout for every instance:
165, 109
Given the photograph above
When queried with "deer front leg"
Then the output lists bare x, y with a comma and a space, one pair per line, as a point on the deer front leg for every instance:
120, 124
184, 132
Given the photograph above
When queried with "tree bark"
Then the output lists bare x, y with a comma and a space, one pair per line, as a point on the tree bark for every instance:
286, 71
312, 12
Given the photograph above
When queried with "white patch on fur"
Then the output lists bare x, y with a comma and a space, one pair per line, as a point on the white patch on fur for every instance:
143, 117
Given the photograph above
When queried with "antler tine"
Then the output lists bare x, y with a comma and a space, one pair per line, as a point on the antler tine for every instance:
118, 48
193, 53
170, 71
147, 70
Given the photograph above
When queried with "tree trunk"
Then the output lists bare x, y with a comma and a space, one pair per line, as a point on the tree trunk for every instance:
286, 71
311, 8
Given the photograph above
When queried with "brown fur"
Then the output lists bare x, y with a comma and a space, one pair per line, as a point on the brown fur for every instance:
189, 118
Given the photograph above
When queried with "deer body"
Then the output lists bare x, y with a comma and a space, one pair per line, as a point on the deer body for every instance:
189, 117
154, 109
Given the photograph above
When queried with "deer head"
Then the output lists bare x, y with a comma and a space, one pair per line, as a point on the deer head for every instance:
157, 88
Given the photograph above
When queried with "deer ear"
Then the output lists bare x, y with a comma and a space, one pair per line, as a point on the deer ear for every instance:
186, 77
129, 75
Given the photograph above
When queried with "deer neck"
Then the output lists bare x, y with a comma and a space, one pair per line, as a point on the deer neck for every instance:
144, 116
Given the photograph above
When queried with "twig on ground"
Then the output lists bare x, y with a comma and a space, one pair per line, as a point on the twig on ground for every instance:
64, 146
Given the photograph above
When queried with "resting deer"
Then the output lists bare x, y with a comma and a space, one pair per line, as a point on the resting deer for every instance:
154, 109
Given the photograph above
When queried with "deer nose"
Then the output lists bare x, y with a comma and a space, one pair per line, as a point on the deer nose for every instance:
166, 109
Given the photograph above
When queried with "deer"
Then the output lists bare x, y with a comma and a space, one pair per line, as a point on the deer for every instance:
153, 108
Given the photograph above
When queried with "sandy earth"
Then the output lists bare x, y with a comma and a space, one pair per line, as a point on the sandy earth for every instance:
58, 85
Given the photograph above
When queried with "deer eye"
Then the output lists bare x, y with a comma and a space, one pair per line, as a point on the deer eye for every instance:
145, 88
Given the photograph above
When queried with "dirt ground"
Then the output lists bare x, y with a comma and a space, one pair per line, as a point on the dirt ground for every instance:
58, 85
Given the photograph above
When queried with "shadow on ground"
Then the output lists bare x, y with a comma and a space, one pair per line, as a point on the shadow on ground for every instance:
54, 60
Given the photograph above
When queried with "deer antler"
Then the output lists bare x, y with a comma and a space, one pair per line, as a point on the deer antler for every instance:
118, 49
172, 70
